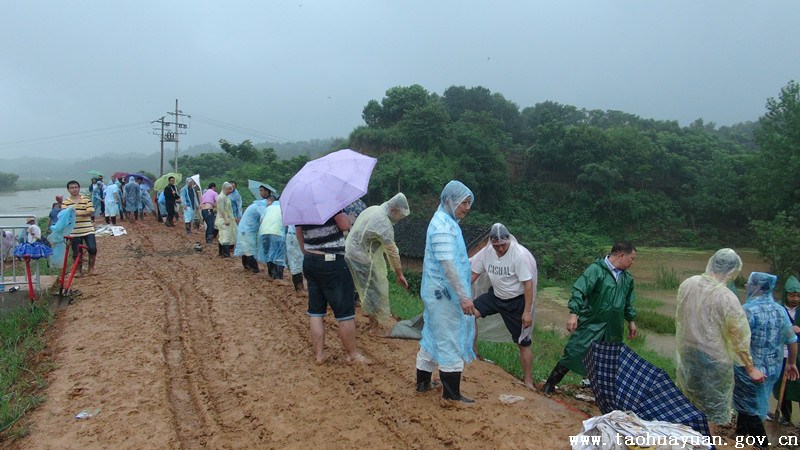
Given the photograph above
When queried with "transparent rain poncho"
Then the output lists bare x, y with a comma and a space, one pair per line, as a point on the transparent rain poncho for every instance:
448, 333
188, 201
112, 199
133, 196
62, 227
771, 330
248, 229
227, 232
712, 334
372, 236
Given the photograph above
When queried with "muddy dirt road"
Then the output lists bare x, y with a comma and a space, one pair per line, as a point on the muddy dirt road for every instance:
184, 349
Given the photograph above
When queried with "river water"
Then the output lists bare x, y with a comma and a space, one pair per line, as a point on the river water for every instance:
32, 203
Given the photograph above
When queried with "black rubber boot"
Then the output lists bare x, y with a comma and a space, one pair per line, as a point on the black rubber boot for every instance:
254, 265
245, 262
558, 373
452, 387
297, 281
221, 249
226, 250
424, 381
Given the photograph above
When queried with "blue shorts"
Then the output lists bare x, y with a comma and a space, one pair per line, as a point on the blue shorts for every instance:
329, 283
510, 310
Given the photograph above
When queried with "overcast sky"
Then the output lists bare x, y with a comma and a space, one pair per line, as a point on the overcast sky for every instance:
86, 78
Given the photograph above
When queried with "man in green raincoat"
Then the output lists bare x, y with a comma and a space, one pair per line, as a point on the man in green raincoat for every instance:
602, 300
791, 300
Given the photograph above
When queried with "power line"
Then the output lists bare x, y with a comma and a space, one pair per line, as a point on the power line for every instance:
76, 135
236, 128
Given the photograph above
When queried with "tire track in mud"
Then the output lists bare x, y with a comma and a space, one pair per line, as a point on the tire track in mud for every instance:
194, 421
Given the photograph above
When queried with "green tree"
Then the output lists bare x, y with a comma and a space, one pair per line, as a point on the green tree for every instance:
774, 184
778, 240
7, 181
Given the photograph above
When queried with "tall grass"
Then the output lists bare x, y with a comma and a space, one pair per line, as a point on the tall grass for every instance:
666, 278
21, 337
651, 320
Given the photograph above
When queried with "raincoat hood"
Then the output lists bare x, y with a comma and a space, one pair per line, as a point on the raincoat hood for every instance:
724, 266
398, 204
453, 194
760, 286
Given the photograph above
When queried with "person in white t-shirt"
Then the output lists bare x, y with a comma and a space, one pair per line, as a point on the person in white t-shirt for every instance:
511, 269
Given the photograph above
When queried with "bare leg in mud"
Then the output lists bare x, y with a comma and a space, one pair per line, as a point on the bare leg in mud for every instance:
347, 331
317, 327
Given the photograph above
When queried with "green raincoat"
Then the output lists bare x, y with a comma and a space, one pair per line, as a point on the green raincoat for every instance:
792, 392
602, 304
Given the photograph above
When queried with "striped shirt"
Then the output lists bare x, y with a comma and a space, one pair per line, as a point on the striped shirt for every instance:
83, 224
326, 238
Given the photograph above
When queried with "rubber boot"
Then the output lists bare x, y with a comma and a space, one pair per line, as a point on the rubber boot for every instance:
221, 249
271, 269
254, 265
245, 262
297, 280
188, 228
227, 250
555, 377
424, 381
452, 387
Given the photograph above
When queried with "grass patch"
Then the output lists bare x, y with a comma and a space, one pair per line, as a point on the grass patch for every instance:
666, 278
21, 337
657, 322
647, 303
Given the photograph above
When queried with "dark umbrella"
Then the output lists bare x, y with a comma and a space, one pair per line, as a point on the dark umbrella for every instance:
145, 180
119, 175
622, 380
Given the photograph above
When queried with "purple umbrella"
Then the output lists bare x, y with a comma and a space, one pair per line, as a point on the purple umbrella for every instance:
324, 186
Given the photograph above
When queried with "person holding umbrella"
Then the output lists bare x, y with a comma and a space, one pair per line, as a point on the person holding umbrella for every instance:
449, 328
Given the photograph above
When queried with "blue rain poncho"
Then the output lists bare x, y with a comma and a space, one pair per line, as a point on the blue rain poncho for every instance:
712, 334
448, 333
770, 332
188, 201
294, 257
162, 203
370, 238
271, 241
112, 199
63, 227
248, 229
133, 195
236, 203
147, 202
97, 197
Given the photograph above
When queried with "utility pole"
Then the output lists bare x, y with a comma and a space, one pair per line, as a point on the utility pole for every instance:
170, 136
178, 126
155, 131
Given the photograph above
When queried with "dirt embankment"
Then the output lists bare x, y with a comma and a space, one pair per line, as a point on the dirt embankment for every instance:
183, 349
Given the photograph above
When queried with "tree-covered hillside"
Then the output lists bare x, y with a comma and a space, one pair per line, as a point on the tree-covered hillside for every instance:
566, 180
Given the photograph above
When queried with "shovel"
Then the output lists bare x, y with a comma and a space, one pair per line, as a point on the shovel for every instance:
777, 413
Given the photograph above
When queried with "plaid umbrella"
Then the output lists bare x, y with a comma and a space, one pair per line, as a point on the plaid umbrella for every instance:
622, 380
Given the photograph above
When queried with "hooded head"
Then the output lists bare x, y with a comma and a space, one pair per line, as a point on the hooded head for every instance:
760, 285
724, 266
227, 188
791, 292
453, 195
131, 179
396, 208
